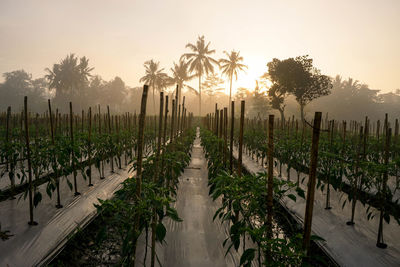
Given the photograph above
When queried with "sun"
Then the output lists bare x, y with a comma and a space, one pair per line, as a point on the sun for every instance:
248, 79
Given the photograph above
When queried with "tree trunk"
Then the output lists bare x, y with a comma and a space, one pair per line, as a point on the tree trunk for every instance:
302, 112
230, 94
200, 94
154, 100
281, 111
180, 93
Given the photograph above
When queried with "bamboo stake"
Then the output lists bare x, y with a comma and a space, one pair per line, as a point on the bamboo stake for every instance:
142, 120
58, 205
109, 132
28, 152
164, 141
231, 136
183, 114
241, 138
380, 242
172, 120
216, 119
328, 190
270, 159
90, 147
225, 135
8, 134
156, 180
71, 116
311, 182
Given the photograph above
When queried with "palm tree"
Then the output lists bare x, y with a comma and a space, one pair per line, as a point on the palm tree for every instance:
154, 77
242, 93
68, 77
180, 75
230, 67
200, 61
212, 85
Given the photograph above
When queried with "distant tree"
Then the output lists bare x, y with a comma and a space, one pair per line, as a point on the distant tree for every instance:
18, 84
115, 92
230, 67
298, 77
181, 75
212, 85
38, 94
134, 96
277, 99
95, 91
258, 103
309, 83
278, 91
200, 61
350, 99
155, 77
69, 78
242, 93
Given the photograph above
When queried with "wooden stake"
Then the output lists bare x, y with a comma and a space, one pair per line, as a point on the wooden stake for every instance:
71, 119
270, 188
241, 137
156, 180
58, 205
172, 120
142, 120
90, 147
28, 152
109, 131
311, 183
225, 133
164, 141
8, 134
380, 243
231, 136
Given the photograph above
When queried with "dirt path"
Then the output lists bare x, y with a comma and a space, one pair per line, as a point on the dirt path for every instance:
197, 241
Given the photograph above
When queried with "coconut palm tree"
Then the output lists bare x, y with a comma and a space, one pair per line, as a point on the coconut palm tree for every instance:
155, 78
200, 61
181, 75
230, 67
212, 86
68, 77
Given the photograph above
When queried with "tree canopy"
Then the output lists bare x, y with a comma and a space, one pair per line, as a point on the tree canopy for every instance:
69, 78
200, 61
298, 77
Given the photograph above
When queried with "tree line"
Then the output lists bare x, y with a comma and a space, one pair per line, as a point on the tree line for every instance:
291, 86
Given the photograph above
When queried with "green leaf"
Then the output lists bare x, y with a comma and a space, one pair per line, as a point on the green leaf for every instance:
300, 192
247, 257
173, 214
316, 238
160, 232
386, 217
292, 197
37, 198
69, 184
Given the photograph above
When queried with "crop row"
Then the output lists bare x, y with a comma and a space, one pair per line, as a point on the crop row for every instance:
145, 199
362, 161
47, 148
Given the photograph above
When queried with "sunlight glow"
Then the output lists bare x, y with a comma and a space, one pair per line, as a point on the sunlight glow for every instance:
256, 68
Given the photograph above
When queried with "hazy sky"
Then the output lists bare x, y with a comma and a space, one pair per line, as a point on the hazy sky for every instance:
357, 38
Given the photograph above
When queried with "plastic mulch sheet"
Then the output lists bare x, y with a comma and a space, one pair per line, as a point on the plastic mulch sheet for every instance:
35, 245
347, 245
